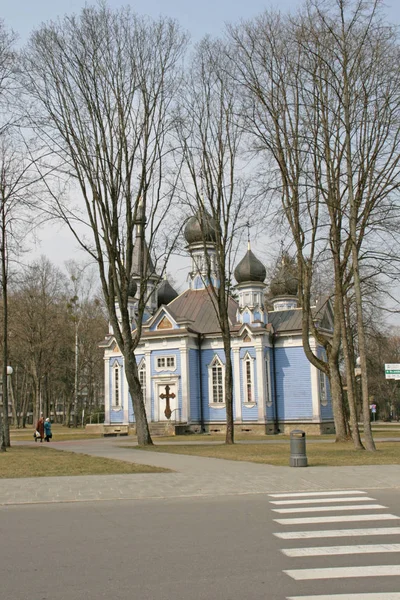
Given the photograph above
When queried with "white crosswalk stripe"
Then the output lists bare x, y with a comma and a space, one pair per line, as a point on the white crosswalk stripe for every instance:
319, 494
337, 519
316, 500
344, 572
330, 533
340, 550
368, 596
337, 501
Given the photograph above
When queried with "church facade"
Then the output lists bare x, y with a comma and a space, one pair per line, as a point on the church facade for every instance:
181, 360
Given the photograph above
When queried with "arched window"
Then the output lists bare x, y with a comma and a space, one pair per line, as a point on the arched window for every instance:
116, 385
216, 381
248, 379
142, 376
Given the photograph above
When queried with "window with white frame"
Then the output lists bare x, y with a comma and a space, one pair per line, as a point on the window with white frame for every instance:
216, 381
142, 376
165, 363
248, 379
322, 389
116, 385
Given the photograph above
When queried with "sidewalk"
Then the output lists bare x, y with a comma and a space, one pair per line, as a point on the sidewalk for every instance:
193, 476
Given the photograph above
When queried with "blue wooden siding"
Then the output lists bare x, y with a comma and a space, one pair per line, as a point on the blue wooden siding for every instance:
293, 382
194, 387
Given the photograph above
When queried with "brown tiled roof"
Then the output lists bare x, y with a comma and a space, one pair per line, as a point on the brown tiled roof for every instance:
197, 308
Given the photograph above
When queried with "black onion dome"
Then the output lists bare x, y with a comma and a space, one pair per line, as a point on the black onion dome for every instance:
200, 228
285, 282
250, 269
165, 293
132, 288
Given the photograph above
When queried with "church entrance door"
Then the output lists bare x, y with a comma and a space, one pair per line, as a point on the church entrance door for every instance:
167, 402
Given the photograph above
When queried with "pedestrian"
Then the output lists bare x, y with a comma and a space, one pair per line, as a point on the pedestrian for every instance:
40, 430
47, 430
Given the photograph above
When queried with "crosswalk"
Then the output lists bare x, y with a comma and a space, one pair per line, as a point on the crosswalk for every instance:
309, 510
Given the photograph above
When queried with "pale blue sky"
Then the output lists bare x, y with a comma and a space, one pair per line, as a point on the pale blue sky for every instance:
199, 18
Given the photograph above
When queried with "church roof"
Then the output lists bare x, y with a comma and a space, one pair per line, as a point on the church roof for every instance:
165, 293
148, 267
200, 227
250, 269
286, 320
196, 306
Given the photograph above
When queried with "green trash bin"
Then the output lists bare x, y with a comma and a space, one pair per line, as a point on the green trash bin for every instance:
298, 457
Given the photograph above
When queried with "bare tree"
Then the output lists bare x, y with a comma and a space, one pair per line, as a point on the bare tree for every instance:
323, 103
267, 63
216, 182
104, 84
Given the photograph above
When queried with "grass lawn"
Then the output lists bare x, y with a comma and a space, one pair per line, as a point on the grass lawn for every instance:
60, 433
42, 461
388, 453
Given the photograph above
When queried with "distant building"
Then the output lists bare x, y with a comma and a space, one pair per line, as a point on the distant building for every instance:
181, 359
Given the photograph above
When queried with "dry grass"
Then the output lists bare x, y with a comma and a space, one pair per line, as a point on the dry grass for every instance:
60, 433
278, 454
42, 461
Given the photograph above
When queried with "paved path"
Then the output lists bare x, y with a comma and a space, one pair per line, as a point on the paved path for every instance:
192, 476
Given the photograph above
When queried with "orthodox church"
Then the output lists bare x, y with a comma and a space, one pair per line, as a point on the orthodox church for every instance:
181, 360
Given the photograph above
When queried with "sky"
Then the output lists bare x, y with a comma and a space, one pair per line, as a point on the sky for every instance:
198, 18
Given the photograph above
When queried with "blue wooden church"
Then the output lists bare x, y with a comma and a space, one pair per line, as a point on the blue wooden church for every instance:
181, 360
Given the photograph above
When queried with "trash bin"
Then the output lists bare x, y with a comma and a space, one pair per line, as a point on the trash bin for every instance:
298, 456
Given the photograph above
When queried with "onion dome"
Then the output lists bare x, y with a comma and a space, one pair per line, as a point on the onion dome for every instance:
132, 288
250, 269
165, 293
285, 281
200, 228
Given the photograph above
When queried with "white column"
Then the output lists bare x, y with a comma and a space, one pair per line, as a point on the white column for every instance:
107, 400
125, 398
147, 391
260, 368
184, 381
236, 377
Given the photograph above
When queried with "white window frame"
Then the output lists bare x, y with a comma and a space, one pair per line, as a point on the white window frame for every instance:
162, 363
116, 386
216, 362
248, 380
142, 376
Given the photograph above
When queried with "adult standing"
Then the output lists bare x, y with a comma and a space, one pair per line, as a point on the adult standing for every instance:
40, 429
47, 430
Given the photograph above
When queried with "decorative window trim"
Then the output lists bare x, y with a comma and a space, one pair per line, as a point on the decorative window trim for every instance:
165, 363
323, 392
268, 381
213, 384
248, 381
143, 376
116, 400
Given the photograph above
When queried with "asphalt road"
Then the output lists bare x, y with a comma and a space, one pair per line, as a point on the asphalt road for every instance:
201, 548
